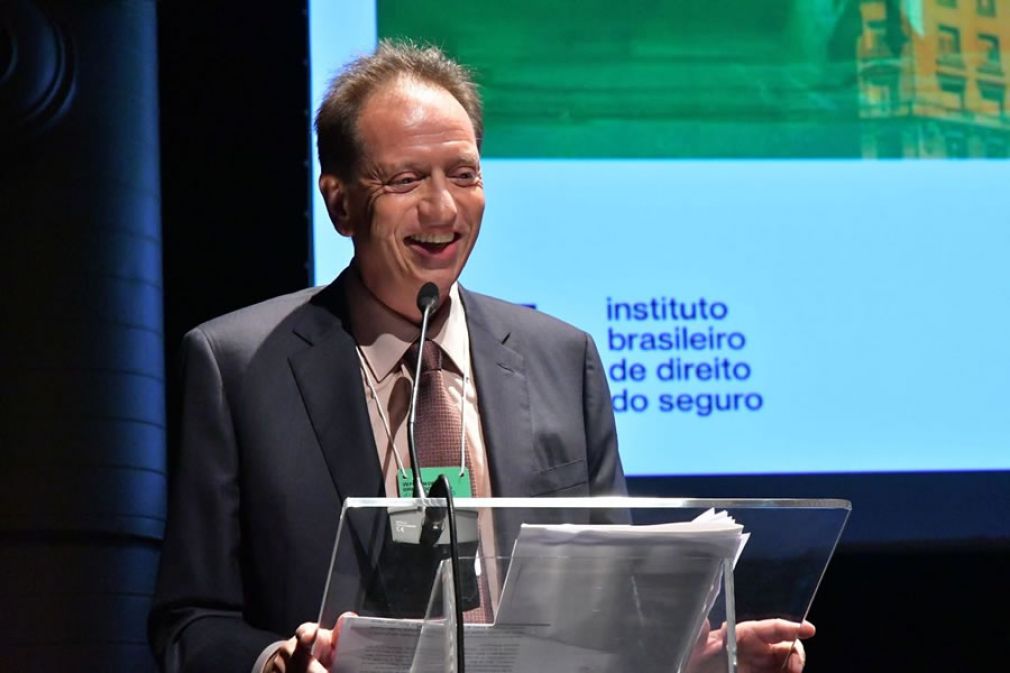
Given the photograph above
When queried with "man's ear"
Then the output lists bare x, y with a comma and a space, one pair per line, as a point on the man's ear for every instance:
334, 192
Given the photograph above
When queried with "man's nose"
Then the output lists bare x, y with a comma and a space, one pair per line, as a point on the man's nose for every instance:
437, 207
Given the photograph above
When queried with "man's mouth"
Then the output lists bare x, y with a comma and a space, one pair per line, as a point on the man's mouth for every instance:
432, 242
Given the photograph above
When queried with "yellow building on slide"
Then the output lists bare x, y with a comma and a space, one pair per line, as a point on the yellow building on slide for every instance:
933, 78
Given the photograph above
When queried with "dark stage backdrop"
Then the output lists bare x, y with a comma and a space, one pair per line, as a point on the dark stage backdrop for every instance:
82, 408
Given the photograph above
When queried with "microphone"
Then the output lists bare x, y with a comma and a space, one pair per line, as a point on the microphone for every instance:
427, 297
433, 519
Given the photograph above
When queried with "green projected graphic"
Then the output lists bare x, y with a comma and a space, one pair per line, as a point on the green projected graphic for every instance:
730, 79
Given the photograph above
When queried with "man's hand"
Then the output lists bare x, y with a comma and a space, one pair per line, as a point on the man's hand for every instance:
764, 646
772, 645
296, 654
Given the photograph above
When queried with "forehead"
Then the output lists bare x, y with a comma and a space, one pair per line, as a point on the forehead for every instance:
407, 113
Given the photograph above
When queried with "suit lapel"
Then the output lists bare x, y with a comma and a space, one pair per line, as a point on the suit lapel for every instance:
504, 400
329, 380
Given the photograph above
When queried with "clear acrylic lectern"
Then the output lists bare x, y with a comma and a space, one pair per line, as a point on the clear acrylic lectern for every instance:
572, 585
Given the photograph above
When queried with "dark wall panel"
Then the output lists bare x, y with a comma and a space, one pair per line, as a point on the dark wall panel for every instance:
82, 396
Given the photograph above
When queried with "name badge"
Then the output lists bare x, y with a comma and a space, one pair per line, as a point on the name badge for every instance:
459, 481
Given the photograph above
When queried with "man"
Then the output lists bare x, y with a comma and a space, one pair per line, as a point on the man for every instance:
297, 403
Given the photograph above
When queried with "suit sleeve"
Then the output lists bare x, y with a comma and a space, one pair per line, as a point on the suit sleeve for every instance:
606, 476
196, 622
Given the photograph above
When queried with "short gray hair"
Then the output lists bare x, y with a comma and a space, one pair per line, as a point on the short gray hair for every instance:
337, 118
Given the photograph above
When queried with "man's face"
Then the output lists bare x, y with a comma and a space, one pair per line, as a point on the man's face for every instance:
415, 204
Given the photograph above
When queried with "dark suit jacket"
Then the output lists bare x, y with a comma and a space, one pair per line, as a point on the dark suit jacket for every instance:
276, 432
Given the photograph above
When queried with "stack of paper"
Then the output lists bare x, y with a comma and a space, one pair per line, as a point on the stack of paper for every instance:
634, 595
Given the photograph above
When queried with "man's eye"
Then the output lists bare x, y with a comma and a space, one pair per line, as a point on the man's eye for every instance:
466, 175
403, 183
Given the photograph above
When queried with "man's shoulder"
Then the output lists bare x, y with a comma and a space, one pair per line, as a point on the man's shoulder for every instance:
251, 325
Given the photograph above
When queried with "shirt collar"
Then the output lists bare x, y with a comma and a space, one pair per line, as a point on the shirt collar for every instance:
383, 336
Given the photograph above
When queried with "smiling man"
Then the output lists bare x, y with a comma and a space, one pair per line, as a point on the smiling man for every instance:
295, 404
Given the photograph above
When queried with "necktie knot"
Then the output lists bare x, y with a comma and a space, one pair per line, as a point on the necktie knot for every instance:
431, 356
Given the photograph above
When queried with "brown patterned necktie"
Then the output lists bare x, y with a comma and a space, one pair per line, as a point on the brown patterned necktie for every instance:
438, 428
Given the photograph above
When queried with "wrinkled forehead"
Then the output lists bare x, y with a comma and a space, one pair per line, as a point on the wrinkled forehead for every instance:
411, 112
415, 99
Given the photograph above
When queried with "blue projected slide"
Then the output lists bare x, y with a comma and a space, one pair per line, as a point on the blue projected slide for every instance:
756, 315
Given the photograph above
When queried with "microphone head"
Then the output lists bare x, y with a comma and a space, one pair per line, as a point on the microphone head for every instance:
427, 296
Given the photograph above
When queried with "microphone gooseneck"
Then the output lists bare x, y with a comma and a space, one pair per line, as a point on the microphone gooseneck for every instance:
434, 517
441, 489
427, 298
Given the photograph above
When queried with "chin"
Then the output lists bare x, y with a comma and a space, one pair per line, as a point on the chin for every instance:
441, 277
